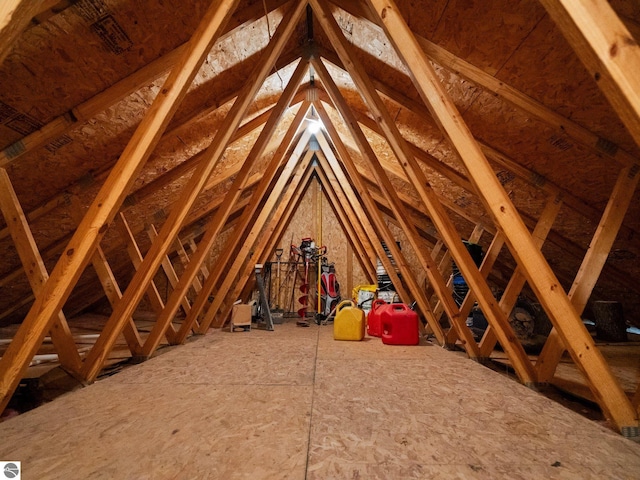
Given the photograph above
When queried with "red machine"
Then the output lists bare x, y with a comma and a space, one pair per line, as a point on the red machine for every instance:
399, 325
374, 324
330, 288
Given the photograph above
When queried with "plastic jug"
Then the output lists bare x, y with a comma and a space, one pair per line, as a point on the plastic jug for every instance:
399, 325
374, 325
349, 323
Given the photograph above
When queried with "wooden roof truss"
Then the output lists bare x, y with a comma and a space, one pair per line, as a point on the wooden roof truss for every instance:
358, 206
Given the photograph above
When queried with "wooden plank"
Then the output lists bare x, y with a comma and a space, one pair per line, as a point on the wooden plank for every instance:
593, 263
169, 271
184, 260
607, 49
35, 269
539, 275
190, 192
445, 227
518, 279
108, 281
215, 225
15, 16
155, 300
194, 248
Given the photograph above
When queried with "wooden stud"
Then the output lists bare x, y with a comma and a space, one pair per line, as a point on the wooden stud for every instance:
35, 269
169, 271
184, 260
155, 300
592, 264
108, 282
518, 279
539, 275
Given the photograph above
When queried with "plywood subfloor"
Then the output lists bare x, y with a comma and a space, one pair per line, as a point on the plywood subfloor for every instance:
296, 404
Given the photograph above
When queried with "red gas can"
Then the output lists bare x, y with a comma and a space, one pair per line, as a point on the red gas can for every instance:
374, 325
399, 325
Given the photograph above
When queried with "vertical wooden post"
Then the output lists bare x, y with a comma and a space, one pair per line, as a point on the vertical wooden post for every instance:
169, 271
155, 300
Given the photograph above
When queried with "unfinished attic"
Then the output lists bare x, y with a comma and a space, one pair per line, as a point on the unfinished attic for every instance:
163, 161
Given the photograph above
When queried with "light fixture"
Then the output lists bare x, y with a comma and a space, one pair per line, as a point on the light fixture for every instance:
315, 124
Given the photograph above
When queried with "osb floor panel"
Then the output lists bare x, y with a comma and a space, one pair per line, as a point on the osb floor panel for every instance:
296, 404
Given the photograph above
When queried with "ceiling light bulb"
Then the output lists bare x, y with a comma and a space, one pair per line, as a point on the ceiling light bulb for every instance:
314, 127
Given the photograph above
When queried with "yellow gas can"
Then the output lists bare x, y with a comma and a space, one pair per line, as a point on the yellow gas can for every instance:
349, 323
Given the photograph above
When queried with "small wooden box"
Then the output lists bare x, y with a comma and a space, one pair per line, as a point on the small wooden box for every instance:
241, 317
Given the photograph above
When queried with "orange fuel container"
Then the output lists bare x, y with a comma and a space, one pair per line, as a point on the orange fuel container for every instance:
374, 326
399, 325
349, 323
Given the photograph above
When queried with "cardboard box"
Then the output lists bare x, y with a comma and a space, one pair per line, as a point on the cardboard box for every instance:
241, 317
